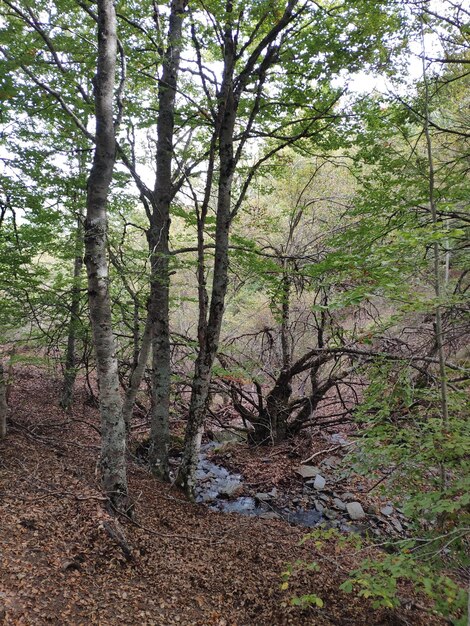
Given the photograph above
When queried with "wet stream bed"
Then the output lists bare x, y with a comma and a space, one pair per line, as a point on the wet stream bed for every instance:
222, 490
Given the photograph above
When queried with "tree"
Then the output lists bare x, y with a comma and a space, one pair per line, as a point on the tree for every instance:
271, 91
113, 437
3, 403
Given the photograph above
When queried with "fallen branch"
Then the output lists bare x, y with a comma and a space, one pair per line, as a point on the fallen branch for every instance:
333, 449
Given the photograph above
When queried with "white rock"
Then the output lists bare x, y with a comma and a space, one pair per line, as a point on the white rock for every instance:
355, 510
319, 483
339, 504
307, 471
387, 510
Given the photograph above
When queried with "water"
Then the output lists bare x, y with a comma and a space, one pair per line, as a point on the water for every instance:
219, 489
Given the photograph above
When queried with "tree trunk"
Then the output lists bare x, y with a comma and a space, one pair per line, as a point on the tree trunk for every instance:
286, 342
224, 132
270, 426
70, 357
3, 403
158, 242
137, 373
209, 332
439, 287
113, 442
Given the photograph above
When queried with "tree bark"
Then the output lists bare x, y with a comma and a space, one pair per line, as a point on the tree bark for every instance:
113, 443
158, 237
209, 331
137, 373
439, 284
70, 356
3, 403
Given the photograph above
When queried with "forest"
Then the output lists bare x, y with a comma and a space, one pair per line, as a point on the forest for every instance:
234, 313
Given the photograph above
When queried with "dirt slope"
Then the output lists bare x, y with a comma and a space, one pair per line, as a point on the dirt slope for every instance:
63, 560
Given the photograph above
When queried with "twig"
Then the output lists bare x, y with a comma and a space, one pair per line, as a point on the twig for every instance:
333, 449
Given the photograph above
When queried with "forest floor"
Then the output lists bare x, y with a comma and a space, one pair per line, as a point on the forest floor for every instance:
64, 560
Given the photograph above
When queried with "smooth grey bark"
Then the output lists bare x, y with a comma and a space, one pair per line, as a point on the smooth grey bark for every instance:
3, 403
113, 435
158, 240
70, 373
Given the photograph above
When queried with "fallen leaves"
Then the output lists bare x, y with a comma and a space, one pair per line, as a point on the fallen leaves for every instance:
60, 565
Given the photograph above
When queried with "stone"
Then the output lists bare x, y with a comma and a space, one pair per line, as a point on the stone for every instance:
348, 496
339, 504
338, 438
355, 510
319, 483
319, 506
270, 515
228, 436
230, 489
387, 510
331, 461
396, 524
307, 471
263, 497
330, 514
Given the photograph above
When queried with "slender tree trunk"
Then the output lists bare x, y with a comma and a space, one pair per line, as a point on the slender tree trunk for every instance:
137, 373
439, 287
113, 435
158, 237
3, 403
70, 356
209, 333
286, 342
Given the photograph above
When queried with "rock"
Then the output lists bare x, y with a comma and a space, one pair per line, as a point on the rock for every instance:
331, 461
339, 504
270, 515
307, 471
307, 518
319, 506
228, 436
230, 489
263, 497
207, 497
319, 483
355, 510
273, 492
329, 514
347, 528
387, 510
371, 509
338, 438
396, 524
348, 496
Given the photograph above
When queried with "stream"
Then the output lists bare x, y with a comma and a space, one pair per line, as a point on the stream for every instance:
218, 489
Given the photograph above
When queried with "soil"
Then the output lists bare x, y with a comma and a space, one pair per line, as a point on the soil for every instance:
65, 560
